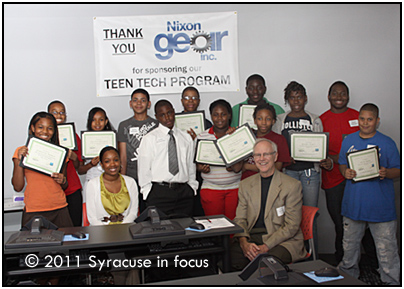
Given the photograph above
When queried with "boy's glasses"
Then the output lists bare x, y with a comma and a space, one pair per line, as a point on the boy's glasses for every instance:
187, 97
264, 155
56, 113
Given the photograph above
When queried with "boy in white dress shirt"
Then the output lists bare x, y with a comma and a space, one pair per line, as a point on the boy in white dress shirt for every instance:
165, 165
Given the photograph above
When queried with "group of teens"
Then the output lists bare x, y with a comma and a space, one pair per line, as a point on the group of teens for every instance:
112, 189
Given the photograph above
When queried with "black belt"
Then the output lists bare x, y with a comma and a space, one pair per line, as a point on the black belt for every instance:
170, 185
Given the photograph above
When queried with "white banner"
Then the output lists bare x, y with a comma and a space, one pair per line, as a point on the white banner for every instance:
166, 53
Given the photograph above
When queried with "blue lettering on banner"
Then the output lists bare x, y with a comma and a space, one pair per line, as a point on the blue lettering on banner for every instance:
167, 43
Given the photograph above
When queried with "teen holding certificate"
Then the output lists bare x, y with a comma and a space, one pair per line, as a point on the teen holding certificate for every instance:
44, 195
371, 203
73, 194
219, 192
299, 120
264, 117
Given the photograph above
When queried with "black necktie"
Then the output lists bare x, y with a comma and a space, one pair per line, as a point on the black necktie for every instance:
172, 155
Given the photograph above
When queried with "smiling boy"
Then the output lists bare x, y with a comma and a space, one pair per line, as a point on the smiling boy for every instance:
372, 202
131, 132
255, 90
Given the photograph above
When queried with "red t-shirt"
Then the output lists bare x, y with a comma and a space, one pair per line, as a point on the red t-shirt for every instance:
337, 125
283, 152
73, 179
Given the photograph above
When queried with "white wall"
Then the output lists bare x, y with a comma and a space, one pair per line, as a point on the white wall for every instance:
49, 54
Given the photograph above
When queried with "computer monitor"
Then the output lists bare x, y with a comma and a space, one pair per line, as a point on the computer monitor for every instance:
153, 226
38, 232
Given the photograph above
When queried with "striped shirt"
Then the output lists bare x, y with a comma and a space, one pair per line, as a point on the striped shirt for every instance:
218, 178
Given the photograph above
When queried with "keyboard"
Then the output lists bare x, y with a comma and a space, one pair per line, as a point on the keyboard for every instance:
171, 247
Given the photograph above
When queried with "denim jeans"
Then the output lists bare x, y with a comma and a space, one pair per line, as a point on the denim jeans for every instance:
384, 234
334, 198
310, 180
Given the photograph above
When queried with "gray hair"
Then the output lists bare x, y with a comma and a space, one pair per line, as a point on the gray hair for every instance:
258, 140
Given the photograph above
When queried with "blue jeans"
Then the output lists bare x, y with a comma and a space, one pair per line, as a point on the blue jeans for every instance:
384, 234
310, 180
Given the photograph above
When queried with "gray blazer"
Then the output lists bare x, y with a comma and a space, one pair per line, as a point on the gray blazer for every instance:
283, 212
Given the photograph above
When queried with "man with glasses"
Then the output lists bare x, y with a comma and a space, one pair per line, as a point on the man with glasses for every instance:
269, 211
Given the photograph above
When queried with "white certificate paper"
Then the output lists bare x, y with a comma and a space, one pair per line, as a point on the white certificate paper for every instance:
67, 136
365, 163
207, 153
44, 157
308, 146
186, 120
246, 115
94, 141
236, 146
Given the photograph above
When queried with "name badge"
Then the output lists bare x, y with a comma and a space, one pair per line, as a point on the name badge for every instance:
304, 122
280, 211
353, 123
370, 146
134, 130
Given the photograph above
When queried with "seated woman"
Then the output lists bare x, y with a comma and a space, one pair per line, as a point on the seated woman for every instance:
111, 198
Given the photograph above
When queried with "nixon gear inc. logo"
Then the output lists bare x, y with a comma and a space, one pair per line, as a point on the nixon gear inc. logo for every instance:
198, 37
200, 42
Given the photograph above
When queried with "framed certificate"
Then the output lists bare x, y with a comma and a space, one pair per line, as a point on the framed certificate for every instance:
207, 153
195, 120
92, 142
44, 157
309, 146
236, 146
365, 163
67, 136
246, 115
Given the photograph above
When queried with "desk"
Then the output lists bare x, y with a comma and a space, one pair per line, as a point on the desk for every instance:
230, 279
115, 242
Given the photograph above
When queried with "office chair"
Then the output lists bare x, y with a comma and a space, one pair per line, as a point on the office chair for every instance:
86, 223
308, 214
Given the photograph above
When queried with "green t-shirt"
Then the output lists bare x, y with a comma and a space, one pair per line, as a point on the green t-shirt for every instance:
236, 111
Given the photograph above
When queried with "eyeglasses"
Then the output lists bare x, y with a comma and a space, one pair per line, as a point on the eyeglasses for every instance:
264, 155
187, 97
56, 113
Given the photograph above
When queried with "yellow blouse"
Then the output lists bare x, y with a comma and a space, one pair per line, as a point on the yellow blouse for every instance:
117, 203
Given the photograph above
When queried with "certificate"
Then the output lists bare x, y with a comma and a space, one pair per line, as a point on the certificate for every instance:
207, 153
44, 157
236, 146
365, 163
186, 120
93, 142
246, 115
67, 136
308, 146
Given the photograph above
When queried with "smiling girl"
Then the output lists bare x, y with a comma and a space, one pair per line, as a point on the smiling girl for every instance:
43, 195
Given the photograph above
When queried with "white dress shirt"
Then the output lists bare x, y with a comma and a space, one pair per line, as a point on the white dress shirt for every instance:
153, 159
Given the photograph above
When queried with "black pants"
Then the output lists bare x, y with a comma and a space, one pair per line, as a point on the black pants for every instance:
334, 198
75, 207
239, 261
174, 202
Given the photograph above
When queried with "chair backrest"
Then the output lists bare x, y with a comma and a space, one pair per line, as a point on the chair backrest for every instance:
85, 219
308, 214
